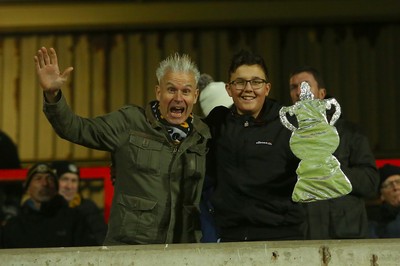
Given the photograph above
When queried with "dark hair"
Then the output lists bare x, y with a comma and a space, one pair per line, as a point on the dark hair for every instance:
309, 69
244, 57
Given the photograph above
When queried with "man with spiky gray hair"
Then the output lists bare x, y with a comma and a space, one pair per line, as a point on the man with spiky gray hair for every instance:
159, 151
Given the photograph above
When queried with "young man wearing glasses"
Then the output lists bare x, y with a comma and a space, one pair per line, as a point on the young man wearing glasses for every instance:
250, 162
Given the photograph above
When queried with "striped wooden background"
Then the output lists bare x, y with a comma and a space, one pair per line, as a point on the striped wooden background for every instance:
360, 63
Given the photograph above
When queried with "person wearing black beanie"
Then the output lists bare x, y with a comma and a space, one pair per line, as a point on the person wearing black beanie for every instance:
44, 218
40, 185
390, 178
390, 184
384, 218
68, 174
68, 179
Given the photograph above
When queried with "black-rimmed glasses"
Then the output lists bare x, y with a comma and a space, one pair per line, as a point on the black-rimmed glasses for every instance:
255, 84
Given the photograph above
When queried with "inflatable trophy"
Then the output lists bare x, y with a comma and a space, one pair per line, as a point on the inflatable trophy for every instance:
319, 176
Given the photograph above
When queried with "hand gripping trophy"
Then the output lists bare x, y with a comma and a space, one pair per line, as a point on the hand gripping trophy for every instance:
319, 176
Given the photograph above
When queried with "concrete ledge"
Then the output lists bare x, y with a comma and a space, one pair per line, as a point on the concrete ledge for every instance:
333, 252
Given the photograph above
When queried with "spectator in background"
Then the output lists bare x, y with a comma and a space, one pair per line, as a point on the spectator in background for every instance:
45, 220
9, 158
343, 217
213, 94
204, 80
384, 218
68, 186
10, 193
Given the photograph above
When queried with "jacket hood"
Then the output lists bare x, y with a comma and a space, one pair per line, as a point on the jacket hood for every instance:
269, 112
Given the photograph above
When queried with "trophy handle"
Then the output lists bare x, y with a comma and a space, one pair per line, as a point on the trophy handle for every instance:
284, 120
338, 111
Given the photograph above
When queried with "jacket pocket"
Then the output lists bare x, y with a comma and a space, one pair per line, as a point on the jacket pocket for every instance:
145, 153
195, 159
139, 220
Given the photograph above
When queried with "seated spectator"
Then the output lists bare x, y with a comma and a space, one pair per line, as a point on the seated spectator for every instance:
68, 187
10, 193
44, 220
384, 218
9, 158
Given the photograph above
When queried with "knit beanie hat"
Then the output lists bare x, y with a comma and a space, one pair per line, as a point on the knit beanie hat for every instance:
213, 95
63, 167
388, 170
39, 168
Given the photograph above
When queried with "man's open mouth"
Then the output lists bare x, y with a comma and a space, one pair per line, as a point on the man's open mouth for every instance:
177, 111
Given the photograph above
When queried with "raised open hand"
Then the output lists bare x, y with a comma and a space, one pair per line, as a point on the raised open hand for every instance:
50, 78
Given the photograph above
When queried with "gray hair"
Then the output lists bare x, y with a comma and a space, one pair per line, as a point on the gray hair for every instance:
204, 80
177, 63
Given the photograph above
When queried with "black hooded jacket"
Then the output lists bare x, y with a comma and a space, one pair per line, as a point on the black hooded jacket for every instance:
253, 172
54, 225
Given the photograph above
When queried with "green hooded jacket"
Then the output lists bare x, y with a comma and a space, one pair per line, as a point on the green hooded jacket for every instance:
158, 183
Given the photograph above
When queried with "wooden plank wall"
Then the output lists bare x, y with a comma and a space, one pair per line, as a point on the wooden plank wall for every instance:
117, 67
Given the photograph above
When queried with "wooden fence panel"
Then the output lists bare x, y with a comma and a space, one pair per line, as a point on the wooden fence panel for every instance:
207, 59
118, 72
99, 85
27, 105
267, 43
80, 100
153, 56
64, 47
10, 76
388, 90
45, 134
136, 70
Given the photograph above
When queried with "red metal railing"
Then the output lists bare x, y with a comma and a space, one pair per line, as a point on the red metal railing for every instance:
381, 162
104, 174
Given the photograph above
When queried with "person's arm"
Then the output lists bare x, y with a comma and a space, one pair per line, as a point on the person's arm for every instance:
98, 133
358, 162
48, 72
